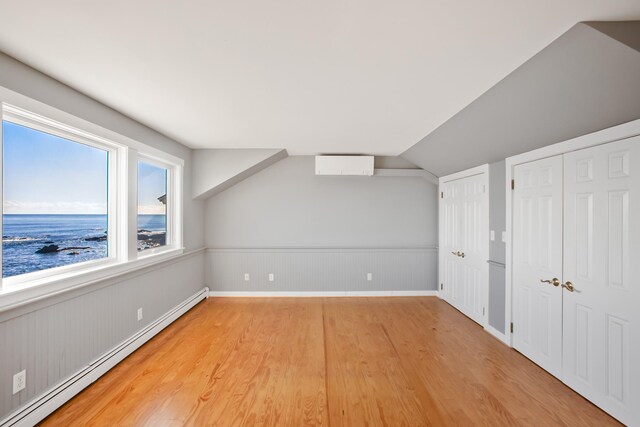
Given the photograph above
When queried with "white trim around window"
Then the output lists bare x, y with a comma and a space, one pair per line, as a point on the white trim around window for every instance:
123, 155
173, 199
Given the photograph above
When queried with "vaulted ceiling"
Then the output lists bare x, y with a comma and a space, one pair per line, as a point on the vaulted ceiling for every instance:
349, 76
586, 80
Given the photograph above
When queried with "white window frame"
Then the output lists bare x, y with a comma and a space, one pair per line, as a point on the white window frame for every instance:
41, 124
173, 226
124, 154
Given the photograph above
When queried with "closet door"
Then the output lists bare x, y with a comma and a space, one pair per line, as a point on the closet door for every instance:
449, 238
464, 245
601, 304
537, 257
474, 245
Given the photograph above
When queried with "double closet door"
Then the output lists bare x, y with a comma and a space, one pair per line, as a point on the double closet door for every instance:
464, 245
576, 271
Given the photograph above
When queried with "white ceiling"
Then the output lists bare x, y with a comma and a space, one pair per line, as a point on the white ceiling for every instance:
350, 76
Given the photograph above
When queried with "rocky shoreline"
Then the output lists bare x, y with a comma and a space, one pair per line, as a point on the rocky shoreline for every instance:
150, 239
146, 239
51, 249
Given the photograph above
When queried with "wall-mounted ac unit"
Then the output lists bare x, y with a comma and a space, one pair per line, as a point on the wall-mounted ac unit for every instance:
344, 165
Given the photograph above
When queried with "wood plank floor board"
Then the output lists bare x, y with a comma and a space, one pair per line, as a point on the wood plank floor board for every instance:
364, 378
401, 361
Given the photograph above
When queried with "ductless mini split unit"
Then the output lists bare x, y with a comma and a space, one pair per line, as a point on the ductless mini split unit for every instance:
344, 165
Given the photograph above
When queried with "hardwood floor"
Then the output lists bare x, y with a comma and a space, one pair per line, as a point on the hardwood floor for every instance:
326, 361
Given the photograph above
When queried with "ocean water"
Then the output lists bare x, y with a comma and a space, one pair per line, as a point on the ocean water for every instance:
79, 238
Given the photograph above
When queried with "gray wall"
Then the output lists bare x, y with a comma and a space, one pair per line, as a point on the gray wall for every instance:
497, 223
56, 337
333, 270
289, 211
393, 162
497, 210
287, 205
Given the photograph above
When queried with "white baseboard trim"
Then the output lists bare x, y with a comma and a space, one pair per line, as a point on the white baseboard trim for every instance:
45, 404
499, 335
310, 294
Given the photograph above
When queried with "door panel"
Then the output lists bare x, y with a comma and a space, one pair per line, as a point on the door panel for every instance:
475, 246
537, 255
601, 324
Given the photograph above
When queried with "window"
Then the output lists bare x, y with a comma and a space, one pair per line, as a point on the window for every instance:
152, 206
72, 213
54, 201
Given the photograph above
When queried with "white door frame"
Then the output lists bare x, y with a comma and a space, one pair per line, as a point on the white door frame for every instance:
616, 133
478, 170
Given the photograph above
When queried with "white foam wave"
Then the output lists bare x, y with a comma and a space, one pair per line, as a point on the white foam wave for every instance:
10, 239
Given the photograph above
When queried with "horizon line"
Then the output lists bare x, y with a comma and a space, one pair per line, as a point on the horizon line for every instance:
103, 214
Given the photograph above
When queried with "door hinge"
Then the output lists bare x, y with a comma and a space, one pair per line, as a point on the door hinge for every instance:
441, 286
483, 311
513, 184
442, 194
511, 327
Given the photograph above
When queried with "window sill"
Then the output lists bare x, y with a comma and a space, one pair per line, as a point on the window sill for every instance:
18, 295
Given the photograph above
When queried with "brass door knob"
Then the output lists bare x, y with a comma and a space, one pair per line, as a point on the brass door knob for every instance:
569, 286
555, 282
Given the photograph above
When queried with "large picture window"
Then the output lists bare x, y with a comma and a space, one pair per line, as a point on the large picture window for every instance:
54, 201
79, 202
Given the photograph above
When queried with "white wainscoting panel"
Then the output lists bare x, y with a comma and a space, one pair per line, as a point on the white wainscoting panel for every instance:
54, 339
326, 270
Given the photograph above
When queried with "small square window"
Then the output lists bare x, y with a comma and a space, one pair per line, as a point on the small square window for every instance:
152, 206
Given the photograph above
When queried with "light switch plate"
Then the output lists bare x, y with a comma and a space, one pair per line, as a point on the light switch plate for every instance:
504, 237
493, 235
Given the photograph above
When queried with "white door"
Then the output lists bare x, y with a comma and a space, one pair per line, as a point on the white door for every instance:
537, 256
464, 245
474, 269
449, 237
601, 319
